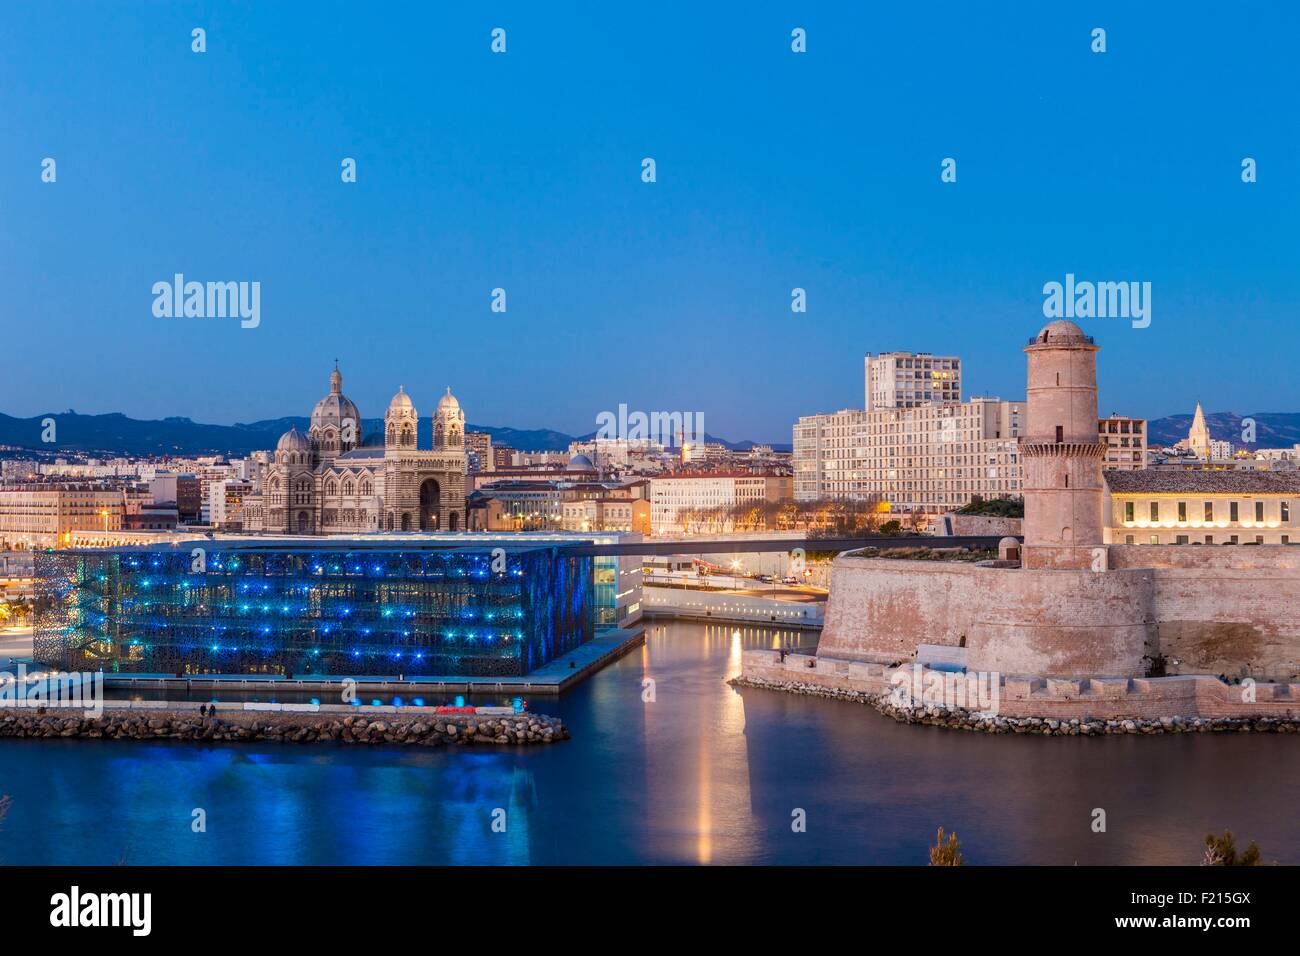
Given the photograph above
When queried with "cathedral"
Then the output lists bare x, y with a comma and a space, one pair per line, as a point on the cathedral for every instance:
329, 481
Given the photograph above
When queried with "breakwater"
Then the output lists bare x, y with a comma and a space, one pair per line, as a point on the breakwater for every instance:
186, 723
962, 719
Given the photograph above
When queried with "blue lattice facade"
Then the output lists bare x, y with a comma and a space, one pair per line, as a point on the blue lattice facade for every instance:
300, 610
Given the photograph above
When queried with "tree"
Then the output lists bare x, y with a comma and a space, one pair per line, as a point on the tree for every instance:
997, 507
1222, 851
946, 852
891, 527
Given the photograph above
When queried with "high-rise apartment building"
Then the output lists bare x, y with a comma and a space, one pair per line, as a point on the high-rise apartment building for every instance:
910, 379
929, 459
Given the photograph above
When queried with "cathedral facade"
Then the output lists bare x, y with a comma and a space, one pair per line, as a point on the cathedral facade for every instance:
329, 481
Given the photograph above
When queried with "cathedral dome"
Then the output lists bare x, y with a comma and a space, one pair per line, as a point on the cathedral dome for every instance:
335, 408
293, 440
580, 463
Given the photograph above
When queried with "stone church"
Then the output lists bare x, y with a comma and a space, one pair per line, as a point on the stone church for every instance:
329, 481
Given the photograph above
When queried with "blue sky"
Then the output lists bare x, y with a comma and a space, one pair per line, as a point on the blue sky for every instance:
522, 171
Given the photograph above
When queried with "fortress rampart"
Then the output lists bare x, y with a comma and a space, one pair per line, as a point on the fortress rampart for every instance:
1080, 699
1234, 614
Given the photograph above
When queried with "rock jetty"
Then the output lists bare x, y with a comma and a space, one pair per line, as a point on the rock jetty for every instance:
426, 730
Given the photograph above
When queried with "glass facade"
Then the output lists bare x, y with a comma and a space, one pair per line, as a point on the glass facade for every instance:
312, 609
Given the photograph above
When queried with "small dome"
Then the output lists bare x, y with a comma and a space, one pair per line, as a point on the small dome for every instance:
1061, 331
293, 440
580, 463
401, 400
448, 402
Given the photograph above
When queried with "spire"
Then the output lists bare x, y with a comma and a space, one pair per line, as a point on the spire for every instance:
1198, 438
336, 379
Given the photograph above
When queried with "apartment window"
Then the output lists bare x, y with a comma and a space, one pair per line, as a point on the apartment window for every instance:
1234, 540
1259, 539
1209, 539
1060, 434
1209, 511
1128, 539
1155, 511
1286, 510
1182, 511
1259, 511
1155, 539
1128, 511
1232, 511
1181, 539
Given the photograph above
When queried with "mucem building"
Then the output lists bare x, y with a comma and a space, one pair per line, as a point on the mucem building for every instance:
414, 607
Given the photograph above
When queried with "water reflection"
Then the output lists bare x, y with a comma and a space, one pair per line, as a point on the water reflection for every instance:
702, 773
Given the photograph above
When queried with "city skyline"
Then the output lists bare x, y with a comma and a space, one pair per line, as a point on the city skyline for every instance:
672, 294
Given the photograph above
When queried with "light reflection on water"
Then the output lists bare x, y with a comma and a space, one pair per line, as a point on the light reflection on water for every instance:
705, 773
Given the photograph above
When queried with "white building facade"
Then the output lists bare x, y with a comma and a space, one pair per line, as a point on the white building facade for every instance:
929, 459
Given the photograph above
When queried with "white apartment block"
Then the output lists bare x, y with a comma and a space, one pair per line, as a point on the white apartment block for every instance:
673, 496
223, 503
1220, 450
910, 379
1126, 442
929, 459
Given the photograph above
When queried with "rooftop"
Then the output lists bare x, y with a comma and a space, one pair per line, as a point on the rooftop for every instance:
1151, 481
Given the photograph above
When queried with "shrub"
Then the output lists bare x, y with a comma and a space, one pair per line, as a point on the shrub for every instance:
946, 852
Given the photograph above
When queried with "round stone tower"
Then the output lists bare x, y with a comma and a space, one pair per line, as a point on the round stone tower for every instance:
1061, 452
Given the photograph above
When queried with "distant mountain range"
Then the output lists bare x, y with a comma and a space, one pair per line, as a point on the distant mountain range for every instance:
116, 434
1272, 429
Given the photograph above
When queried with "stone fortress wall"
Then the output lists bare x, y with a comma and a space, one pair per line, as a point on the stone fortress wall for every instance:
1207, 612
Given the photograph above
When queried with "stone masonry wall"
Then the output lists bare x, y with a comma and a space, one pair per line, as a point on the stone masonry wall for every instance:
1084, 698
1233, 611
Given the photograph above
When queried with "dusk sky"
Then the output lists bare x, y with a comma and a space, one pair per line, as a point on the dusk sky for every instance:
523, 171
